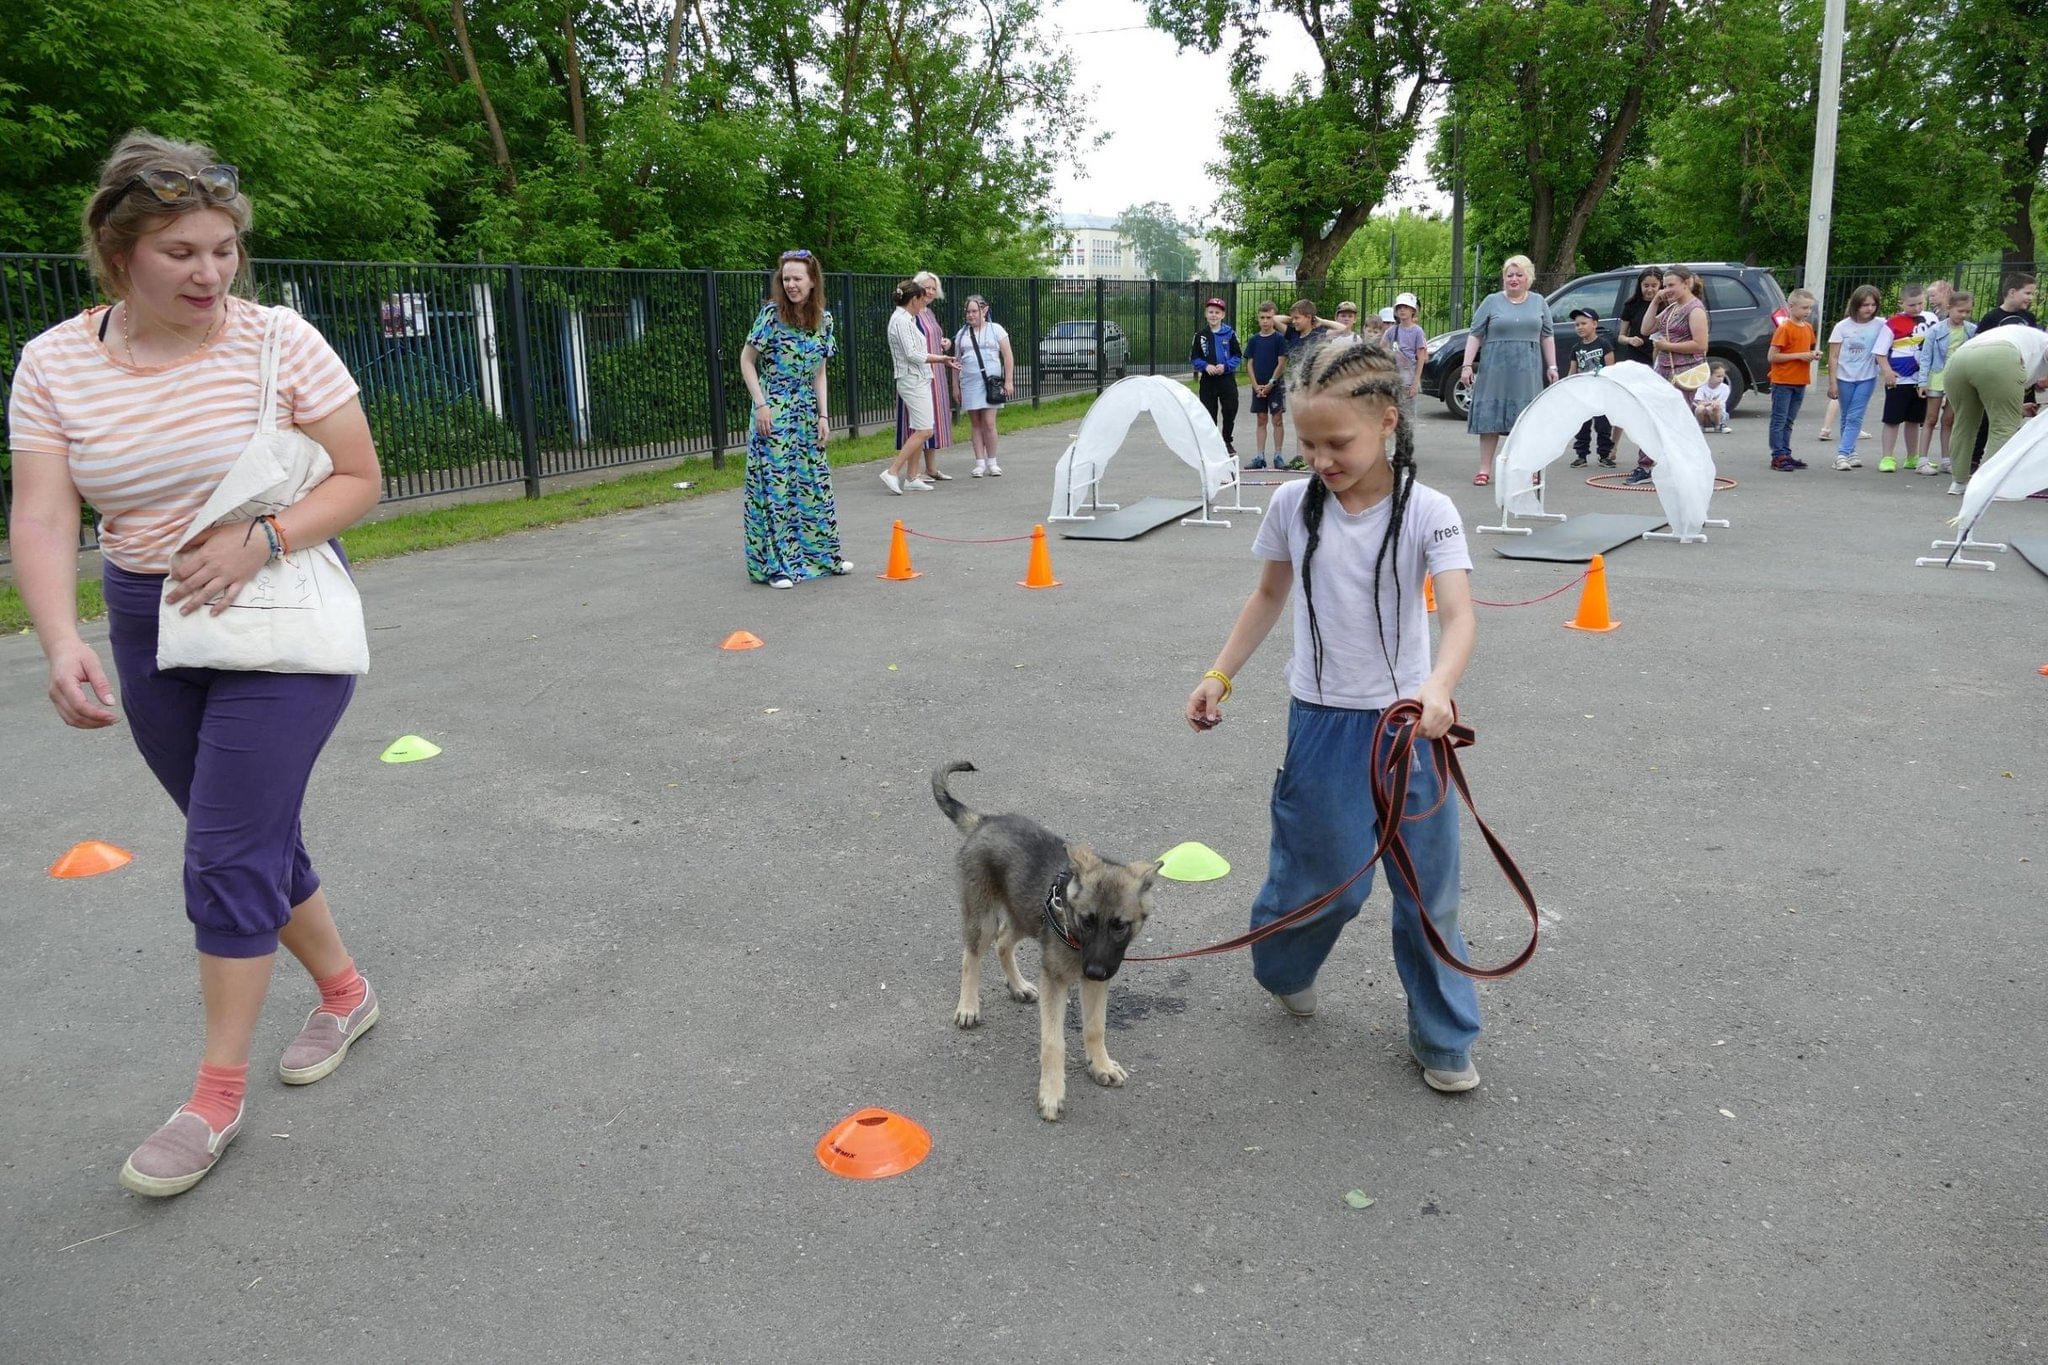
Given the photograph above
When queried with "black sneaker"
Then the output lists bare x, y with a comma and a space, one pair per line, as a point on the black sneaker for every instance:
1640, 474
1579, 463
1783, 464
1797, 463
1259, 463
1607, 462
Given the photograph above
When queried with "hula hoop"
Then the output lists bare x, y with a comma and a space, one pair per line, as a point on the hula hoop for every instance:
1721, 484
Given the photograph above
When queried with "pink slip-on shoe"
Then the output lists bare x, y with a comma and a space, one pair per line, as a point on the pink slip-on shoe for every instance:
325, 1040
177, 1156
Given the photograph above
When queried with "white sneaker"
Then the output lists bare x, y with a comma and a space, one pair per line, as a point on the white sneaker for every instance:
1955, 490
980, 469
1842, 463
892, 483
918, 485
995, 470
1930, 468
1856, 461
1301, 1004
1450, 1082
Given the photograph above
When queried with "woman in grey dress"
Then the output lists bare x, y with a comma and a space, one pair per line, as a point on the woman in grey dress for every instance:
1521, 357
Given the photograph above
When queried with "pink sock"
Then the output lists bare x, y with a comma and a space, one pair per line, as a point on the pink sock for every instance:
342, 992
217, 1095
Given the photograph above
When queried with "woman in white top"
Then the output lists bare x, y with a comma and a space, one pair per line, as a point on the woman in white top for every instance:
1987, 379
985, 368
913, 357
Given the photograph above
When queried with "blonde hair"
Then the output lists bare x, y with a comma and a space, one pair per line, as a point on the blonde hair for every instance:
117, 216
1528, 266
1801, 296
931, 283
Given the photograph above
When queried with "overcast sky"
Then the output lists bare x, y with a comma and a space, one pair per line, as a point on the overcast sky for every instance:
1164, 110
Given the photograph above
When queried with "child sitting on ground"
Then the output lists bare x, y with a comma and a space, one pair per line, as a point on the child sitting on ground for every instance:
1710, 400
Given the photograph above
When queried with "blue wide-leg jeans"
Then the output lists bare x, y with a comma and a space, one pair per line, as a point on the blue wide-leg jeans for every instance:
1323, 828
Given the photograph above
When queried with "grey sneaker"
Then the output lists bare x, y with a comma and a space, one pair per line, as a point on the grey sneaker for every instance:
1301, 1004
325, 1040
1450, 1082
177, 1156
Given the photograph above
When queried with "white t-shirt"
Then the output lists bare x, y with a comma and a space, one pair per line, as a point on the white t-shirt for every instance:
2032, 346
1860, 341
1355, 671
989, 342
1710, 393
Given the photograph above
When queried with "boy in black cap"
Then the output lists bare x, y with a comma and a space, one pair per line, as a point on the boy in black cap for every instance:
1592, 352
1216, 356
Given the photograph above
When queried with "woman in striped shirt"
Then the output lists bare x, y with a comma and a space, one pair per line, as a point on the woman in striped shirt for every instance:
141, 409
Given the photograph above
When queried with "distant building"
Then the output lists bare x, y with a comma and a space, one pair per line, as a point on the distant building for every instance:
1090, 248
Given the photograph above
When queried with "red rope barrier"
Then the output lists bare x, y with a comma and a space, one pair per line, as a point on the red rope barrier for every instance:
1482, 602
949, 540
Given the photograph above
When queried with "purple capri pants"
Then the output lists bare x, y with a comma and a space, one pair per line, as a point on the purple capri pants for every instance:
234, 750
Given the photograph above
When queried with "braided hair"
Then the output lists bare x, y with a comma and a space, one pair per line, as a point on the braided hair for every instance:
1368, 371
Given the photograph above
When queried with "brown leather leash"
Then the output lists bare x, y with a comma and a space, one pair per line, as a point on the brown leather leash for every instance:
1390, 802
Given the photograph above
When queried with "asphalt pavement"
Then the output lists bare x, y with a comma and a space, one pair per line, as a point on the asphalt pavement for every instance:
660, 914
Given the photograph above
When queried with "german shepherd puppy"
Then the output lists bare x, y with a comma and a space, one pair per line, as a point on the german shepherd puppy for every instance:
1019, 880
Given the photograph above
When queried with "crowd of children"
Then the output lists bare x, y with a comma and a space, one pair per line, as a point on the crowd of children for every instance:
1904, 357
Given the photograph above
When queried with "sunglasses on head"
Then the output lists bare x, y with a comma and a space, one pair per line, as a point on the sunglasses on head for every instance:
797, 255
174, 189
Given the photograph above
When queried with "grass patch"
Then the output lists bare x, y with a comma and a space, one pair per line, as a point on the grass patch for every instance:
410, 532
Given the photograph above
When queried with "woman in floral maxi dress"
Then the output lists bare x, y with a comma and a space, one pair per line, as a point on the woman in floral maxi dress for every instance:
792, 524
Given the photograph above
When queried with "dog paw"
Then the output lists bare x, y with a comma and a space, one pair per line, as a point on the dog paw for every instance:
1051, 1106
1024, 994
967, 1018
1112, 1074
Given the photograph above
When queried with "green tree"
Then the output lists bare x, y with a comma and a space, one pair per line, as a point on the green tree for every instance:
1407, 243
1993, 61
1161, 241
1550, 95
1304, 168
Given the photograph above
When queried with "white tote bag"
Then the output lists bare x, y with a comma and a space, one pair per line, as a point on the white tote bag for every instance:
299, 614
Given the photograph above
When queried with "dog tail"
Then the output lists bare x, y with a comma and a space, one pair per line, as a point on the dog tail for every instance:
954, 811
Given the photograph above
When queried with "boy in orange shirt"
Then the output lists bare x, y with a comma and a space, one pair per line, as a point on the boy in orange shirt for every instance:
1792, 357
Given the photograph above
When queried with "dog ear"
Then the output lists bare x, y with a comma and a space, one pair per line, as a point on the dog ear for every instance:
1144, 872
1084, 858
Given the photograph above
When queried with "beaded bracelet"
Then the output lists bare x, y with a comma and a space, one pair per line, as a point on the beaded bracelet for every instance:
270, 536
1223, 678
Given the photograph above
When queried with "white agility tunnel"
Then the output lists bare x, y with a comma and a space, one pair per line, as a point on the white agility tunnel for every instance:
2014, 473
1186, 429
1629, 395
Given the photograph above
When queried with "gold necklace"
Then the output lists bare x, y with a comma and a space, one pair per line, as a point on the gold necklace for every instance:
128, 336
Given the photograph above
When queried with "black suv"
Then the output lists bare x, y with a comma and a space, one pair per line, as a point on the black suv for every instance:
1741, 300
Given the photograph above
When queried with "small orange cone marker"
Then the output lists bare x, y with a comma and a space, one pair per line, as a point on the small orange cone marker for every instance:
1593, 601
899, 557
1429, 592
873, 1143
742, 639
1039, 574
89, 859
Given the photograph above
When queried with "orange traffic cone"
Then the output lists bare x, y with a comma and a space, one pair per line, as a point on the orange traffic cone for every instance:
899, 557
1429, 592
1039, 572
742, 639
1593, 601
89, 859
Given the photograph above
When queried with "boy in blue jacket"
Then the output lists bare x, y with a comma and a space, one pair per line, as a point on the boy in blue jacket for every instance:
1216, 356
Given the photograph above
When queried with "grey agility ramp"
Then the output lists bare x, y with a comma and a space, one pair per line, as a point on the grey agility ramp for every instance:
2033, 549
1146, 514
1576, 541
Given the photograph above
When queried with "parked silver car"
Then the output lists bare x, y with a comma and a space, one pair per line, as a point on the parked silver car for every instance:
1068, 350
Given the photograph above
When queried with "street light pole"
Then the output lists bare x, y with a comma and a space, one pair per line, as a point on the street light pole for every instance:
1821, 203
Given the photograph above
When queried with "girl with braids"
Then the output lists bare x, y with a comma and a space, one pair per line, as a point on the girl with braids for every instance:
1359, 536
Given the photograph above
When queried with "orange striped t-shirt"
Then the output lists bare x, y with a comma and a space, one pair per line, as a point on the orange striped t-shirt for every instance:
148, 444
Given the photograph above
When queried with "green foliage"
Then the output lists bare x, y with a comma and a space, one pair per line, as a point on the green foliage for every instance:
1161, 241
431, 427
885, 134
1304, 167
1424, 248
